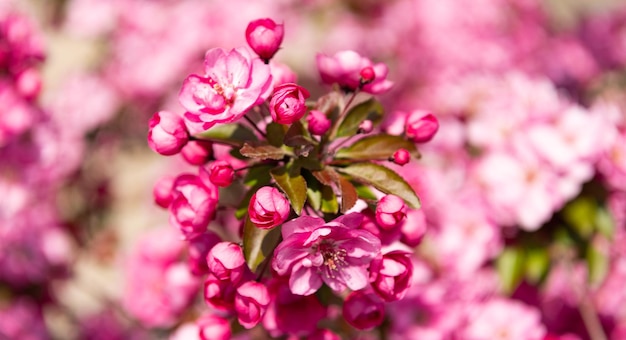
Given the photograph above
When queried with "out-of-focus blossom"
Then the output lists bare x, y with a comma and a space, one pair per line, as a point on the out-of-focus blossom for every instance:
282, 74
213, 327
421, 126
199, 247
193, 204
197, 152
344, 69
363, 310
318, 123
390, 275
221, 173
22, 319
336, 253
162, 191
264, 36
233, 82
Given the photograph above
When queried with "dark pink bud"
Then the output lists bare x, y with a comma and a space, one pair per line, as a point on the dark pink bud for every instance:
219, 294
168, 133
390, 275
226, 262
421, 126
363, 310
367, 75
251, 302
268, 208
213, 327
162, 191
264, 37
366, 126
318, 122
401, 156
197, 152
221, 173
390, 210
288, 103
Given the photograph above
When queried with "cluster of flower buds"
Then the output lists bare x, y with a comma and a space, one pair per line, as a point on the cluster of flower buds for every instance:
316, 199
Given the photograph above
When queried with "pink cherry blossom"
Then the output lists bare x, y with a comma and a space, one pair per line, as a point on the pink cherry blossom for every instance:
363, 310
336, 253
193, 204
251, 302
264, 36
344, 69
233, 82
390, 211
421, 126
167, 134
288, 103
268, 208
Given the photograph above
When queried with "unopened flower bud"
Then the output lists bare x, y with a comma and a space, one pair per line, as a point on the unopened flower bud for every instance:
366, 126
367, 75
226, 262
288, 103
318, 122
264, 37
421, 126
251, 301
168, 133
213, 327
390, 211
363, 310
390, 275
162, 191
268, 208
401, 156
197, 152
221, 173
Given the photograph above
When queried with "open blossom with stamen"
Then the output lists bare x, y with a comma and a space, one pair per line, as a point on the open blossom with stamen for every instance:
336, 253
233, 82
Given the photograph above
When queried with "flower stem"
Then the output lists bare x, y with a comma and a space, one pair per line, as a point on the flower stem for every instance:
253, 124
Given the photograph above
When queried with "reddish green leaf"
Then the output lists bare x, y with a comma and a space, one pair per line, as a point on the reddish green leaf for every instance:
376, 147
348, 194
370, 109
329, 201
275, 133
293, 185
383, 179
232, 134
326, 176
258, 243
262, 152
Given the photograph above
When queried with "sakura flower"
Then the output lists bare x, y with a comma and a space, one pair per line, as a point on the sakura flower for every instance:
336, 253
344, 68
233, 82
265, 36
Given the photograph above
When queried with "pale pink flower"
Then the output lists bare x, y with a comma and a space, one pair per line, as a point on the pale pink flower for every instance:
268, 208
251, 301
264, 36
193, 204
336, 253
504, 319
168, 133
390, 211
413, 227
282, 74
344, 69
363, 310
288, 103
233, 82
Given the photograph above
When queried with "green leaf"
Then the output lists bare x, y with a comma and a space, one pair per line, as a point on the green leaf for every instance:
604, 223
383, 179
258, 243
262, 151
293, 185
580, 215
380, 147
326, 176
258, 176
365, 192
232, 134
329, 201
597, 261
275, 134
537, 264
370, 109
510, 267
